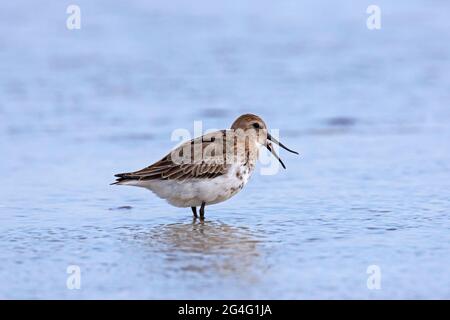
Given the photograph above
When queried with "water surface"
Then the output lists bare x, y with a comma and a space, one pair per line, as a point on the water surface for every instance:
367, 110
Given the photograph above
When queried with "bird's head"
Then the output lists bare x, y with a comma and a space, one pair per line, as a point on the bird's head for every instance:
252, 125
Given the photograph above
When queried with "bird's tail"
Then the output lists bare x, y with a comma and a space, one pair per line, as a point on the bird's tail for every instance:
124, 178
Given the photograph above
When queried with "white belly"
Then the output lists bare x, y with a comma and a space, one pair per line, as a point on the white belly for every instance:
193, 192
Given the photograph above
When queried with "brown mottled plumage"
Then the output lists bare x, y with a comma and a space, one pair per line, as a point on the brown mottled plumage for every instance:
208, 169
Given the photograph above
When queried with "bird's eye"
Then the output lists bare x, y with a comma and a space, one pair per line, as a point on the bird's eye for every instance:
256, 125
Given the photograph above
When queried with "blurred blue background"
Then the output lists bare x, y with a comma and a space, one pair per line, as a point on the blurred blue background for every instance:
367, 109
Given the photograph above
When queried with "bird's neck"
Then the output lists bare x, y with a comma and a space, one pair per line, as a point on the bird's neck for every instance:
249, 155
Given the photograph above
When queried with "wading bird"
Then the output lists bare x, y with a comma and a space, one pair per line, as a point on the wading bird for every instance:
208, 169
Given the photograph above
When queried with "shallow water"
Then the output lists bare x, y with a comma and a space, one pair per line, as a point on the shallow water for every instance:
368, 111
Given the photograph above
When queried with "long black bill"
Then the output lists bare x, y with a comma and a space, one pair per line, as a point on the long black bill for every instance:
269, 137
270, 148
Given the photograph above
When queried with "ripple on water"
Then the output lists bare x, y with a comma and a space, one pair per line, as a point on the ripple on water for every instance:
121, 208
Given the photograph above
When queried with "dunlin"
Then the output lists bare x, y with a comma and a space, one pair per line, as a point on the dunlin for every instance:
208, 169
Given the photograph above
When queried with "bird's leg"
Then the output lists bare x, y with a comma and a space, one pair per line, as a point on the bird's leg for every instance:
194, 211
202, 211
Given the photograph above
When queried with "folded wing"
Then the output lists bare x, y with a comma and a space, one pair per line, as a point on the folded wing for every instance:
199, 158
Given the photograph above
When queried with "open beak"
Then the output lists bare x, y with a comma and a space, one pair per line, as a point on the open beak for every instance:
270, 148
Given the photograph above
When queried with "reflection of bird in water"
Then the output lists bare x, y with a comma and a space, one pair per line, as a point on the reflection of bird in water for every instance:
209, 169
205, 247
